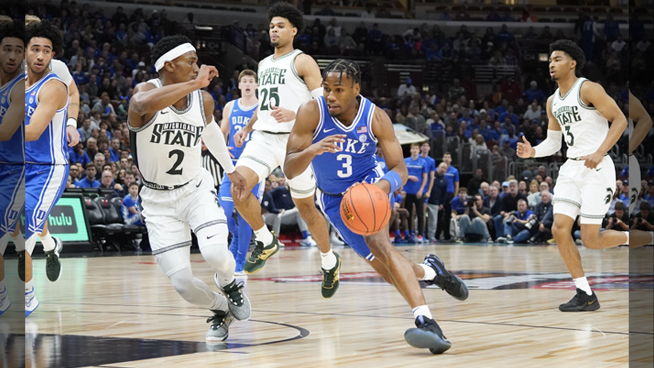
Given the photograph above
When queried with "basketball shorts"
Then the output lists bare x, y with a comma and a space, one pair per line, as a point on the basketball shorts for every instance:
171, 215
634, 182
12, 196
264, 152
331, 206
44, 185
583, 191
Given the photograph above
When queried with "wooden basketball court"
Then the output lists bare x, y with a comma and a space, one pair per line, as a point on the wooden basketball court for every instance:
123, 312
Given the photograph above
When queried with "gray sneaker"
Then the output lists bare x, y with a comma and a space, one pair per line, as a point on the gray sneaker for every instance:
219, 329
239, 304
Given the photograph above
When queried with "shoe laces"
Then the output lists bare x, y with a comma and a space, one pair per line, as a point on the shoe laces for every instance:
217, 320
445, 282
51, 259
330, 277
256, 252
233, 292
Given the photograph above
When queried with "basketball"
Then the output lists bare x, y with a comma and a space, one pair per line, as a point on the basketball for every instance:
365, 209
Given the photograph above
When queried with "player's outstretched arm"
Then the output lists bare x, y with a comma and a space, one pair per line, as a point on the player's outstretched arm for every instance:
53, 97
550, 145
643, 121
593, 94
300, 149
15, 114
73, 111
397, 174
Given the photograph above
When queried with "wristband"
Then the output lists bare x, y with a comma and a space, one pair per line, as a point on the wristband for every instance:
72, 122
394, 179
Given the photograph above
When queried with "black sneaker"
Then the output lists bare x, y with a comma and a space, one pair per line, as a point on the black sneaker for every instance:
21, 265
52, 265
239, 304
330, 280
427, 335
446, 280
581, 302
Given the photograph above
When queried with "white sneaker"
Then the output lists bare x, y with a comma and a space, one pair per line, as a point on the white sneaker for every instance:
240, 274
308, 242
31, 303
219, 329
5, 303
579, 242
335, 240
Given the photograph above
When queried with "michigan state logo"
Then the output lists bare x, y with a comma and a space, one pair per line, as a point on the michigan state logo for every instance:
634, 195
609, 196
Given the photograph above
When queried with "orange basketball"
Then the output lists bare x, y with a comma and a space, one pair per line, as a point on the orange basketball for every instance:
365, 209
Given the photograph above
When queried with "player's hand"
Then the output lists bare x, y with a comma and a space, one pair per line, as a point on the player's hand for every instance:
412, 178
282, 115
419, 195
440, 207
239, 138
592, 160
73, 136
541, 227
525, 150
328, 144
206, 74
426, 194
230, 151
238, 184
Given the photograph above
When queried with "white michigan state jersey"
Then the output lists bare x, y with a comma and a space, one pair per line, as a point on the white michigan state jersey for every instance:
168, 148
584, 128
279, 85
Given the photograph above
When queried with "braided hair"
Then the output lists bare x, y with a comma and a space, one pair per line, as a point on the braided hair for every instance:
344, 66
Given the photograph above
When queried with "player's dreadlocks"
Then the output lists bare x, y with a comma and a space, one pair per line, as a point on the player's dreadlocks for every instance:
572, 49
166, 44
13, 29
45, 29
290, 12
344, 66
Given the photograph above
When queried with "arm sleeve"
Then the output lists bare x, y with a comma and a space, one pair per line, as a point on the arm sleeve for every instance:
215, 141
549, 146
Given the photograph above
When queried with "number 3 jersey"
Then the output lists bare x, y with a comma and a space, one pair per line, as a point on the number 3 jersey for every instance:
279, 85
168, 147
584, 128
337, 171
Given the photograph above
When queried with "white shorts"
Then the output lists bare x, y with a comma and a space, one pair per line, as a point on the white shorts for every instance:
171, 215
264, 152
634, 182
580, 190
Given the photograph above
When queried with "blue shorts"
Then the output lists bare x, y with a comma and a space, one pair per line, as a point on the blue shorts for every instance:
44, 185
12, 196
225, 194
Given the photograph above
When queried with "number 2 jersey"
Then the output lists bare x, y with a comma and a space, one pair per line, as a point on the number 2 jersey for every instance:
584, 128
168, 147
336, 171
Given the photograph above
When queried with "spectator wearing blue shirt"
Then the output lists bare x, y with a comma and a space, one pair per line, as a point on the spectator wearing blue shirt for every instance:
516, 230
533, 93
452, 175
458, 208
430, 165
130, 206
78, 155
89, 181
510, 115
414, 188
115, 150
624, 196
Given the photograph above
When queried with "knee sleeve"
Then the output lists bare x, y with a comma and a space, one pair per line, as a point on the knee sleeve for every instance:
193, 290
212, 242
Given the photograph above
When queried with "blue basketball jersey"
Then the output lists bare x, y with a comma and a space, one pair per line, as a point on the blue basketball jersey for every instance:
336, 171
13, 150
51, 147
238, 119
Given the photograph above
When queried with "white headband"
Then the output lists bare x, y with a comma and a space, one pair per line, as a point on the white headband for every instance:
173, 54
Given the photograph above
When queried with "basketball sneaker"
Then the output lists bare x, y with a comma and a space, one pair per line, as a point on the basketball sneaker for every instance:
308, 242
52, 264
219, 329
31, 303
446, 280
581, 302
330, 280
5, 303
427, 335
420, 239
260, 254
239, 304
21, 265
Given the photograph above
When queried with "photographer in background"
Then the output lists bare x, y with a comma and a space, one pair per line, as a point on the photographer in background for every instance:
644, 219
619, 219
518, 226
474, 219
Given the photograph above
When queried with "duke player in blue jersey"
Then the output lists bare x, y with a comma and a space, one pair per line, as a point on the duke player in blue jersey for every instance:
12, 146
46, 151
337, 136
236, 116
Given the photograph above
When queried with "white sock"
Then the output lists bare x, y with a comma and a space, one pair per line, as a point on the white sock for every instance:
30, 243
627, 234
582, 283
2, 286
422, 310
48, 242
3, 242
19, 241
29, 285
430, 274
264, 235
328, 260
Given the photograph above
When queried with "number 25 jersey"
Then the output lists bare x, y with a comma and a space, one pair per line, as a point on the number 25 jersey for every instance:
168, 147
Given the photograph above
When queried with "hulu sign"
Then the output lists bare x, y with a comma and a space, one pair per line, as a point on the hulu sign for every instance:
67, 221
